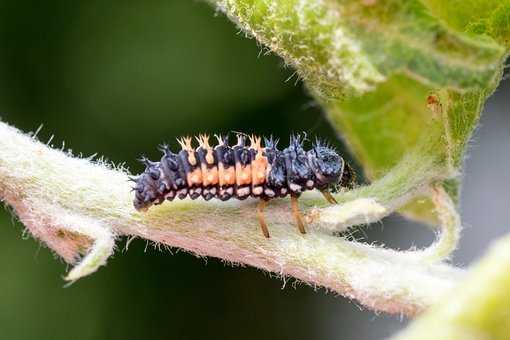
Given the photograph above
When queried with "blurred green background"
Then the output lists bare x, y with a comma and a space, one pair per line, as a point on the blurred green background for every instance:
118, 79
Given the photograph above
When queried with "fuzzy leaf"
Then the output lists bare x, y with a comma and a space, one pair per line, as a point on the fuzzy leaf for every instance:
489, 17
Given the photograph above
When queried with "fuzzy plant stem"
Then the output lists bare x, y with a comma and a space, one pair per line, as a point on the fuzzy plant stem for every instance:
418, 175
78, 207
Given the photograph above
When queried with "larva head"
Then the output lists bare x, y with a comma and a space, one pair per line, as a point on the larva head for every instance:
326, 164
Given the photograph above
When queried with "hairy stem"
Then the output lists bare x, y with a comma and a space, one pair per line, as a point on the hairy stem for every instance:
79, 207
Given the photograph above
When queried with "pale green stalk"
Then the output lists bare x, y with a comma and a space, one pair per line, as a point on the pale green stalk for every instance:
78, 207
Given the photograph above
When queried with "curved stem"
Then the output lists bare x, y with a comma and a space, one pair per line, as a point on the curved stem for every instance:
448, 233
76, 204
365, 210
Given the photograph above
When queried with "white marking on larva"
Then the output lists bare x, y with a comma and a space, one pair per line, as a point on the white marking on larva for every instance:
230, 191
243, 191
171, 194
269, 192
212, 191
294, 187
257, 190
198, 190
283, 191
309, 184
182, 191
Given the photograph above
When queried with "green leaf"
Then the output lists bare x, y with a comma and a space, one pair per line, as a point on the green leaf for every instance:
489, 17
390, 74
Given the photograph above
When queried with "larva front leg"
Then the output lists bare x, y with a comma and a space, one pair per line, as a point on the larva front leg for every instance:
297, 214
260, 215
327, 195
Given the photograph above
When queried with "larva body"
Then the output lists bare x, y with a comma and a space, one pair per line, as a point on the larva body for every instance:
240, 171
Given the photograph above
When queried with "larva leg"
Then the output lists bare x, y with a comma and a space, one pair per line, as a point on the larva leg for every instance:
260, 215
327, 195
297, 214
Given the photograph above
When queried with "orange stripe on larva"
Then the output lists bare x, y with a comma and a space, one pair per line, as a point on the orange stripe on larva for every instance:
258, 170
221, 174
259, 164
226, 176
243, 174
195, 177
209, 175
229, 176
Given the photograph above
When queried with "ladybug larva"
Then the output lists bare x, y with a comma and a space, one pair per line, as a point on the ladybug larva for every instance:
242, 171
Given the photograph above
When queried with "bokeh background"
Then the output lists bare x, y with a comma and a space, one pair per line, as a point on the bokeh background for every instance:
118, 79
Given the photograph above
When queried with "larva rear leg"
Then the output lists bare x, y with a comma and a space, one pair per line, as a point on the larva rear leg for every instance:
327, 195
260, 215
297, 214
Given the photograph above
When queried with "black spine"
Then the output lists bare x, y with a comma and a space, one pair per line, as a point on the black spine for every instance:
242, 157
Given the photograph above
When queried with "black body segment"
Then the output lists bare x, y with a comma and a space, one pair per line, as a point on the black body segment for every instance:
300, 176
